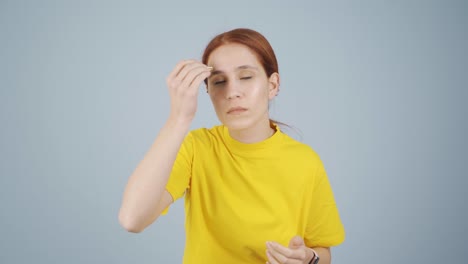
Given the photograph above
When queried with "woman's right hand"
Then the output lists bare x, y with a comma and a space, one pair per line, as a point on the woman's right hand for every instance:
183, 83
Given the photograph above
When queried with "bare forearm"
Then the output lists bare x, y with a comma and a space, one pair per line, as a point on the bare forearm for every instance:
147, 183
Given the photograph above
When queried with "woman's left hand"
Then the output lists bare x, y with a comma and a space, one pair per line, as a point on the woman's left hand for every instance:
296, 253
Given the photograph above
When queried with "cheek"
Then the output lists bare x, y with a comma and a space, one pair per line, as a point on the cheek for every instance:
261, 90
216, 100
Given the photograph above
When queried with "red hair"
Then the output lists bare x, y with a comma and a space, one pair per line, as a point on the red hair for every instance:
255, 41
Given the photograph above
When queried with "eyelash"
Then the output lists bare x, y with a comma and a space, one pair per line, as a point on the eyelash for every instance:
221, 82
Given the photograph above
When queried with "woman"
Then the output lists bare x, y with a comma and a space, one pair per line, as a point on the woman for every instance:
252, 193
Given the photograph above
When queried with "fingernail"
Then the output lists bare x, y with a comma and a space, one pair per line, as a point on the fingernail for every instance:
209, 68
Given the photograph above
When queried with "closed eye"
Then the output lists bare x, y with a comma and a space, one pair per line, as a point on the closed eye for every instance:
219, 82
246, 78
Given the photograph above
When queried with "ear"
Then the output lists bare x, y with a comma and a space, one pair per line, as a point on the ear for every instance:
273, 85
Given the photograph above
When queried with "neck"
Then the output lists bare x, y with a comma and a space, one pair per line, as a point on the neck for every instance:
257, 133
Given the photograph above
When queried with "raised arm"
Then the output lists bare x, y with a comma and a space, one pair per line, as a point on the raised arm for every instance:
145, 196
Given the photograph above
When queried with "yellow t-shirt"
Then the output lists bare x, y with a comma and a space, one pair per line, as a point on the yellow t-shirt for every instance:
238, 196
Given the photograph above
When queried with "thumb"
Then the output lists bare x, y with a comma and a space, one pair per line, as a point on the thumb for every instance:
296, 242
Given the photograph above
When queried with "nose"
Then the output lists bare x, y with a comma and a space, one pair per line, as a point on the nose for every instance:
233, 90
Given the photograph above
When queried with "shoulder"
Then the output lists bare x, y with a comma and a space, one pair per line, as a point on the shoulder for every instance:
204, 132
303, 160
303, 156
206, 135
302, 150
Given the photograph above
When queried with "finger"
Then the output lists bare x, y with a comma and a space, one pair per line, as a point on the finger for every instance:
193, 74
199, 79
287, 252
187, 69
178, 68
296, 242
276, 255
271, 259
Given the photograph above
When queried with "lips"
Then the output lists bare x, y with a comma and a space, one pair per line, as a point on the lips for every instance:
236, 110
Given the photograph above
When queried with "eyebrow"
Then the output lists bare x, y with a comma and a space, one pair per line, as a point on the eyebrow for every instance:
215, 72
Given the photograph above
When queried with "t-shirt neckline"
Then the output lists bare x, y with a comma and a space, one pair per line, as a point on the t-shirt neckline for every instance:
264, 144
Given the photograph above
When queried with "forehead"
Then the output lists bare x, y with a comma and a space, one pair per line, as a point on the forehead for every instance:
229, 56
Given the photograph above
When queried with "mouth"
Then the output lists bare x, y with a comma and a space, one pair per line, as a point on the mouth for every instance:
236, 110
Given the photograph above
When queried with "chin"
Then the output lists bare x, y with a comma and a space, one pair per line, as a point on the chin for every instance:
237, 123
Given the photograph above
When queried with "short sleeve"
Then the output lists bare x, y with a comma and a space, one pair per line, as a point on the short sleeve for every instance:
179, 180
324, 227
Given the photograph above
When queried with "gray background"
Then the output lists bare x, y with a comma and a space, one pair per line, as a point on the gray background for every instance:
377, 88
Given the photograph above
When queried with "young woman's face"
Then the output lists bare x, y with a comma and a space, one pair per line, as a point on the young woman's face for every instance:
239, 87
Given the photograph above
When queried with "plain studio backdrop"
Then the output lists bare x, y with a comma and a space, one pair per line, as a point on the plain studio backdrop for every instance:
377, 88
